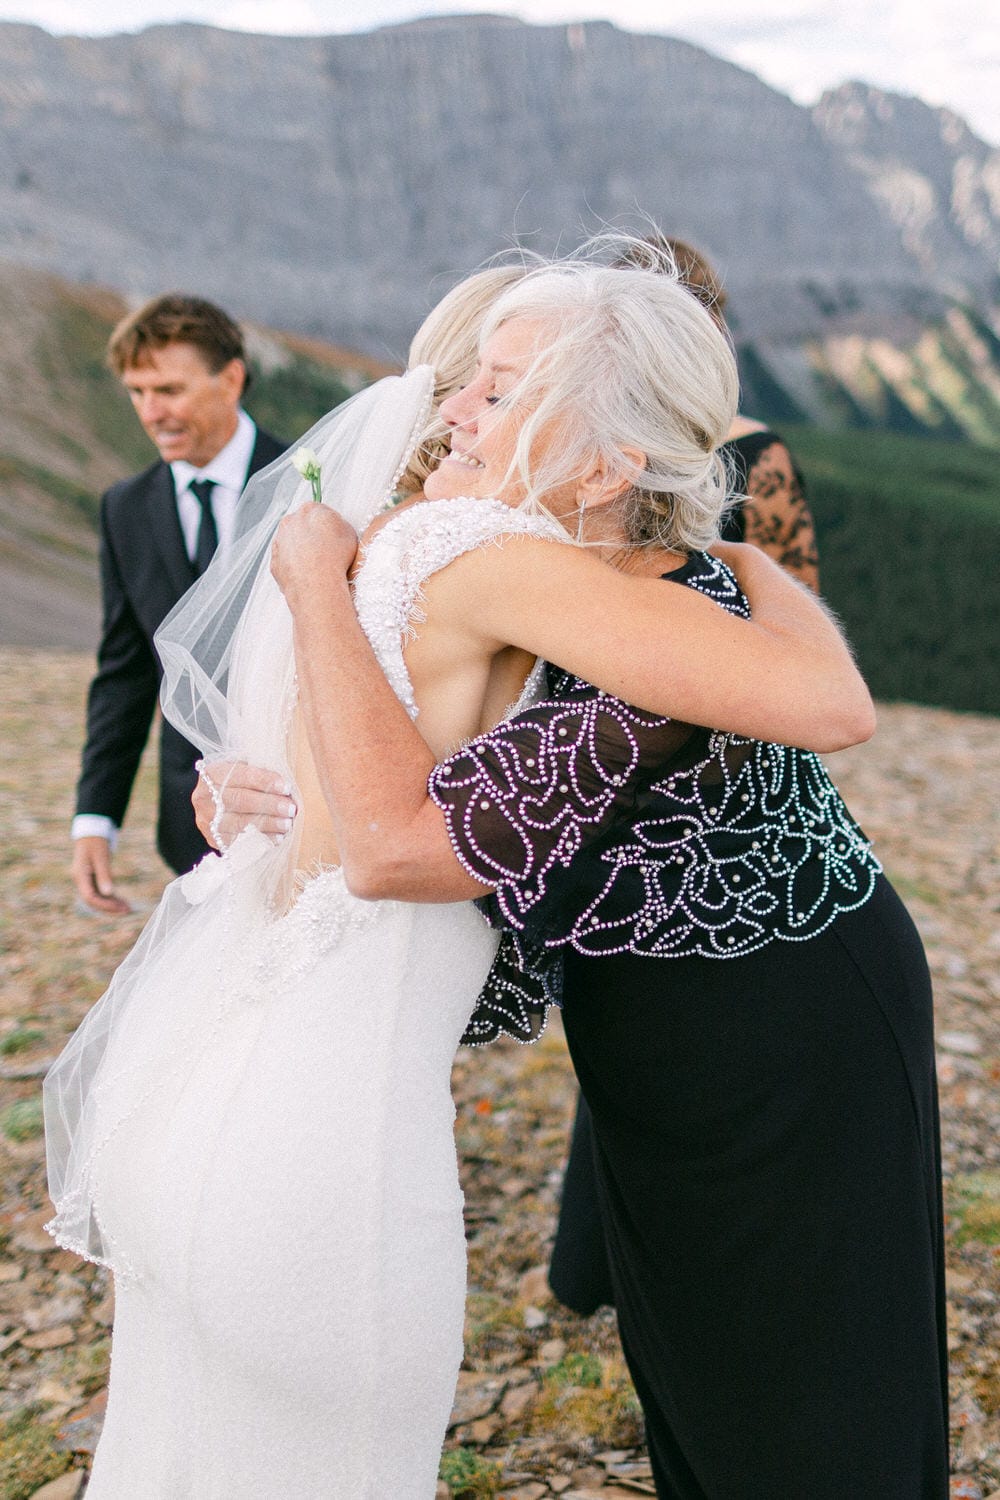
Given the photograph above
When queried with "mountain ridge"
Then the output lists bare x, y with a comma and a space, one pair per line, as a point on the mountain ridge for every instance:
541, 127
337, 187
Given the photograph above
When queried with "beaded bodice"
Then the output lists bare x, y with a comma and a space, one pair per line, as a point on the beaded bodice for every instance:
412, 545
615, 830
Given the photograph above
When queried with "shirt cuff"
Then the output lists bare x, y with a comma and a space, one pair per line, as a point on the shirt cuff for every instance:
95, 826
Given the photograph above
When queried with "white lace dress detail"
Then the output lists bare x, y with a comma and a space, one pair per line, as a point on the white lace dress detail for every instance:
419, 541
272, 1164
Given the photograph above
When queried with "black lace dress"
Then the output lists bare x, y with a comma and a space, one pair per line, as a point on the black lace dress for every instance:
748, 1009
775, 514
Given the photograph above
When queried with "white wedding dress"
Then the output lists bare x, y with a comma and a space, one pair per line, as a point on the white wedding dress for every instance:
272, 1167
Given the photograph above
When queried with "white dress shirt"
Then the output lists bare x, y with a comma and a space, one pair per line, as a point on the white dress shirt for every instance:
228, 472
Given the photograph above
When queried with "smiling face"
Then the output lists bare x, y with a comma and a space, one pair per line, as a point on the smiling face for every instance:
485, 418
186, 410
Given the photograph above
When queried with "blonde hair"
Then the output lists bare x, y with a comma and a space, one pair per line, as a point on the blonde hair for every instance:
448, 340
628, 359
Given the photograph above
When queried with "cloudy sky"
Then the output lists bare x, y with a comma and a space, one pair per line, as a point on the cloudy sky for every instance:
945, 51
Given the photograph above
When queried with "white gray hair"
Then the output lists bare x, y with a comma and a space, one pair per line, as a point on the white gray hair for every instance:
629, 359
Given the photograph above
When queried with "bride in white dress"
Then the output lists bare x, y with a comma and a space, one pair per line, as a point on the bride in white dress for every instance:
254, 1128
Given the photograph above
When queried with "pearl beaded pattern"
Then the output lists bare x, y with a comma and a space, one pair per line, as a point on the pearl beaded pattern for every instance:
601, 829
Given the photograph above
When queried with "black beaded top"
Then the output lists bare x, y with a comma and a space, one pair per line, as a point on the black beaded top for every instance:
614, 830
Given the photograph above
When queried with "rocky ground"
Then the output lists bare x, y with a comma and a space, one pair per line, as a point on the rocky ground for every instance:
544, 1406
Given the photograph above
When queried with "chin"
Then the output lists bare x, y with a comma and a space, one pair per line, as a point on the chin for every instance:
447, 486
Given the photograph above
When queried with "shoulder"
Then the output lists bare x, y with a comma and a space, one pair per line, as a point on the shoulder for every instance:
266, 449
765, 466
453, 528
710, 576
390, 517
772, 475
121, 496
747, 446
465, 555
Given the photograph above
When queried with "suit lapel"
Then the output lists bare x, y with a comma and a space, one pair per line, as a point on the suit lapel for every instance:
164, 526
165, 529
265, 451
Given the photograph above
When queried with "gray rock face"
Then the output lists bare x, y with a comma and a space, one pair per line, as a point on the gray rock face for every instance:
339, 185
939, 184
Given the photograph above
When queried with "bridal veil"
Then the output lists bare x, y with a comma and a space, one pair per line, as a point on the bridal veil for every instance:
229, 688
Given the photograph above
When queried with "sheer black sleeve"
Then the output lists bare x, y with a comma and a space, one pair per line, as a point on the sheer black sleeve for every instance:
608, 829
524, 800
521, 803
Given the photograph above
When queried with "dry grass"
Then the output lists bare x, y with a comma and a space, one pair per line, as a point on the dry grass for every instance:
925, 789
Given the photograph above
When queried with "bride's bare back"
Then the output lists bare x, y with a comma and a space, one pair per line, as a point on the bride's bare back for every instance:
461, 687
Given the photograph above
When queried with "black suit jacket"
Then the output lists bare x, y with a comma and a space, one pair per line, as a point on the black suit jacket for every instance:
144, 571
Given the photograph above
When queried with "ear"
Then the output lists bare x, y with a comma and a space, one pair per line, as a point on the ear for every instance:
600, 486
232, 378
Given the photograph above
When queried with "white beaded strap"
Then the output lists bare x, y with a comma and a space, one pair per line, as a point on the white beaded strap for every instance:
416, 433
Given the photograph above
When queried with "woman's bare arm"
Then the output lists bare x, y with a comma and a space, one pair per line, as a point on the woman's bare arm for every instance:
373, 763
785, 675
605, 628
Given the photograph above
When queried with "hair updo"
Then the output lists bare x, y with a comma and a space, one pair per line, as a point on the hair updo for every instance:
629, 359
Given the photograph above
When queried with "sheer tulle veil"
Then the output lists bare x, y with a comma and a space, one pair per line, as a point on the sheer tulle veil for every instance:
229, 687
219, 685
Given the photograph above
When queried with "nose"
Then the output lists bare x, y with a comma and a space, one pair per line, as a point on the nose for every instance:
465, 408
149, 408
458, 410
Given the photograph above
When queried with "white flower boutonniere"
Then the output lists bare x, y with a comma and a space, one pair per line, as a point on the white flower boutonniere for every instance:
308, 465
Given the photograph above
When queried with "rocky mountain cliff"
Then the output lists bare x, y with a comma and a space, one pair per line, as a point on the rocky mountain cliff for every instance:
338, 185
939, 183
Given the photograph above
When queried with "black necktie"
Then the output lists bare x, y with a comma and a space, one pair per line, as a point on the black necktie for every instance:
208, 537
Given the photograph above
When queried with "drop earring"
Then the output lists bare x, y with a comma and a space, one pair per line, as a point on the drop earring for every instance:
580, 518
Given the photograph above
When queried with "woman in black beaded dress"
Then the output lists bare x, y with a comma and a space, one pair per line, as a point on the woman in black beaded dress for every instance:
770, 510
745, 998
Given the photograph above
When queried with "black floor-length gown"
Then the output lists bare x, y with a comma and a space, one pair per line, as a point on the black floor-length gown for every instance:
748, 1009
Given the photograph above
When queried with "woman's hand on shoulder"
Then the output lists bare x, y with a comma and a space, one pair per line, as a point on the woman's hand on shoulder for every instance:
311, 546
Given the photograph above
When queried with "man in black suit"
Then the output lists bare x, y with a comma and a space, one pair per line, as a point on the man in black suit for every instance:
182, 361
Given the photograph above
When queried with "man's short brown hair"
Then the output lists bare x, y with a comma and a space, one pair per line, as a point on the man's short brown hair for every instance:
177, 319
